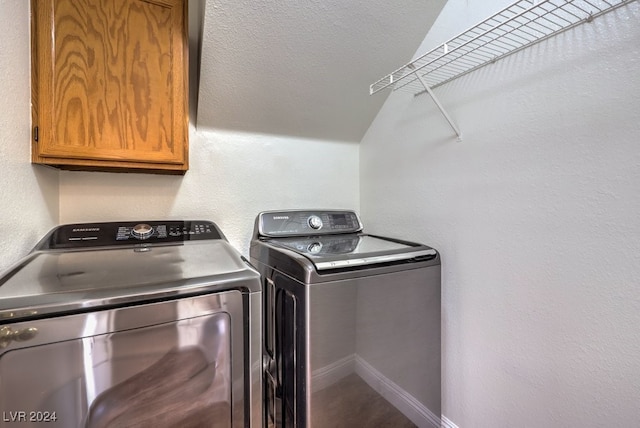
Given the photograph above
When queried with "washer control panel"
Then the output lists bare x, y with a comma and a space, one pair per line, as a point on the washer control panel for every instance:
84, 235
303, 222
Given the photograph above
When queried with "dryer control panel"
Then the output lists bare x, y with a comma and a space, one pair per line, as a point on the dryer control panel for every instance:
83, 235
307, 223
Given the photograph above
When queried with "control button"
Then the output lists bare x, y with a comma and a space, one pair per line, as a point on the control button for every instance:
142, 231
315, 222
161, 231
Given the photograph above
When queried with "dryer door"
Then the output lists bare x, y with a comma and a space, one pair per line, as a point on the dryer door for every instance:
166, 364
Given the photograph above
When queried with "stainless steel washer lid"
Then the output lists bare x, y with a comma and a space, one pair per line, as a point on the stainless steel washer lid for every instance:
353, 250
55, 281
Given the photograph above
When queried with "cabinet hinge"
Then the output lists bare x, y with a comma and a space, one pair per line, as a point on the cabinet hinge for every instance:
35, 134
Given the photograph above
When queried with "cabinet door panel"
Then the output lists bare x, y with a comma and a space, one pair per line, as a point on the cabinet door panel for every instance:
111, 80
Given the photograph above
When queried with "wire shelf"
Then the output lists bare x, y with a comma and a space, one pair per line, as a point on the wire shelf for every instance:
517, 26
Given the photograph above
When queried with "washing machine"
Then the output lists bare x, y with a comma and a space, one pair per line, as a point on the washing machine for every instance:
351, 323
143, 323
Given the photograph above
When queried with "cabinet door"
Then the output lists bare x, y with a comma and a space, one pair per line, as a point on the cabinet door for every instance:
110, 84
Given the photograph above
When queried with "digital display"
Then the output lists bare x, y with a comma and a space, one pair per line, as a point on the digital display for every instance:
339, 219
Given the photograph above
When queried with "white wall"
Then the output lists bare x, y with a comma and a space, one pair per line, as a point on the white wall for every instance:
29, 193
535, 213
232, 177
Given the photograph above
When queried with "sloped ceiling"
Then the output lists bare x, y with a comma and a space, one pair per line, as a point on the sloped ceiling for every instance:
301, 68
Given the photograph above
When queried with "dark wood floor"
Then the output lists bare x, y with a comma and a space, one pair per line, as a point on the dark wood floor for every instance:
353, 403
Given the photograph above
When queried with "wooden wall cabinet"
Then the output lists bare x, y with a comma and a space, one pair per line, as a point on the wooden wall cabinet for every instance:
110, 85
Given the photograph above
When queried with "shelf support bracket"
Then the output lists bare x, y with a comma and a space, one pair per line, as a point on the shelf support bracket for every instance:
442, 110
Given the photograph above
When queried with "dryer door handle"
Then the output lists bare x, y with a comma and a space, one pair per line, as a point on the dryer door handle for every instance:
7, 335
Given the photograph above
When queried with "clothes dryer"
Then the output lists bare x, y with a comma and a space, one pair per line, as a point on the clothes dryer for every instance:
153, 323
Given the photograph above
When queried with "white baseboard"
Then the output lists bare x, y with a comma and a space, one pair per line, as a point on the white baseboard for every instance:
446, 423
403, 401
334, 372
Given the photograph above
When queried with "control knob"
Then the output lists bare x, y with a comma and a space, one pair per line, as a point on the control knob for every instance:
142, 231
315, 222
314, 248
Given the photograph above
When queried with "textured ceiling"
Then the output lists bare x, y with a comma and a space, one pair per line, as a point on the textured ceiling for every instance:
302, 68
